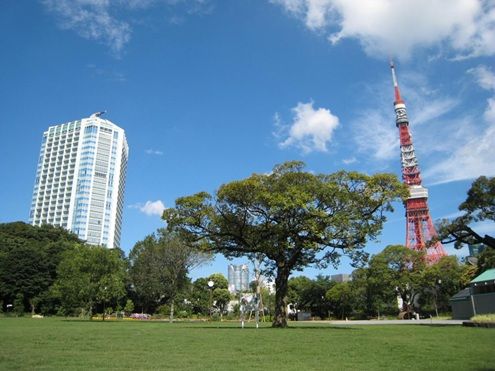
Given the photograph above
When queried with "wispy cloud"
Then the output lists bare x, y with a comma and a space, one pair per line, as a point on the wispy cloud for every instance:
109, 22
348, 161
311, 129
472, 142
91, 19
150, 207
151, 151
383, 27
485, 78
375, 136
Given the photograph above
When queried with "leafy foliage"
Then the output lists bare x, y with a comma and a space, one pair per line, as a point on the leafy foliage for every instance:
486, 260
401, 272
342, 298
219, 281
29, 256
159, 266
478, 206
90, 275
309, 294
290, 217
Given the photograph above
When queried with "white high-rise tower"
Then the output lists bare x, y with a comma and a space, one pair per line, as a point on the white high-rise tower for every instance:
80, 179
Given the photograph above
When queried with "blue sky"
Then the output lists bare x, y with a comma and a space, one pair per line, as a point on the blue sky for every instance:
210, 91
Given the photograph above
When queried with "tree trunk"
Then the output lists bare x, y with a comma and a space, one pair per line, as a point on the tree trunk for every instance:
281, 289
171, 317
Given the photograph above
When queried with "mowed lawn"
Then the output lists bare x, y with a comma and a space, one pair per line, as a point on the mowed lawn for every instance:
64, 344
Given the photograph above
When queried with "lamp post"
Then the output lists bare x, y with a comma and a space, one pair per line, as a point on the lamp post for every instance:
437, 285
471, 294
210, 304
104, 301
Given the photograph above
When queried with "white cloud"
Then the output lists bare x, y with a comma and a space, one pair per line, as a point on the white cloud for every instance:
376, 135
433, 109
101, 20
150, 207
397, 27
151, 151
91, 19
489, 114
471, 156
484, 77
348, 161
311, 129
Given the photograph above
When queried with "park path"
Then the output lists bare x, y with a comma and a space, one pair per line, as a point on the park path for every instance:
446, 322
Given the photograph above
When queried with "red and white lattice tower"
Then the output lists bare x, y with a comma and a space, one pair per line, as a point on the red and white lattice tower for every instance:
419, 226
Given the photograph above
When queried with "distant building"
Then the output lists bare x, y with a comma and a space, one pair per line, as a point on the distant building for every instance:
238, 277
475, 250
80, 179
342, 277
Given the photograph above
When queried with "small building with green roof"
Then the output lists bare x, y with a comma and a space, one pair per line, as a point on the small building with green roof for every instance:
478, 298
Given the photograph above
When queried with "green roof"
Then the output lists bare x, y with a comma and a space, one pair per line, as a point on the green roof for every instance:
487, 275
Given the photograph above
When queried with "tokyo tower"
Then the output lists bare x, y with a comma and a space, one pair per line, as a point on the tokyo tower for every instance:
419, 226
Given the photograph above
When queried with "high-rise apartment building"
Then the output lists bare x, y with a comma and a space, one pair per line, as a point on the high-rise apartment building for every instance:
238, 277
80, 179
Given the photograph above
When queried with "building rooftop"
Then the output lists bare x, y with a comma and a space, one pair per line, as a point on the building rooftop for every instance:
487, 275
462, 295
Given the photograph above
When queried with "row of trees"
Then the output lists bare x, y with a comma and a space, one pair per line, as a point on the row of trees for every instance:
49, 270
396, 272
289, 219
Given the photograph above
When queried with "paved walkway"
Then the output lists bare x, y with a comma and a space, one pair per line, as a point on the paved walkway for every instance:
446, 322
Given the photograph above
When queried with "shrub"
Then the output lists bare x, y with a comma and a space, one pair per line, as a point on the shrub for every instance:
484, 318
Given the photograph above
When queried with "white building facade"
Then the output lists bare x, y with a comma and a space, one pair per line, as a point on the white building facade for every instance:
238, 277
80, 179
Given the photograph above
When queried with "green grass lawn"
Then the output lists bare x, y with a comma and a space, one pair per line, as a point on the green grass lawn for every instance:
63, 344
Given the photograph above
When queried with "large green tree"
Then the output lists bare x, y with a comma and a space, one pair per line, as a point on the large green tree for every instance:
159, 266
200, 296
29, 256
479, 206
342, 298
219, 281
290, 217
90, 276
441, 281
309, 294
486, 260
400, 269
373, 295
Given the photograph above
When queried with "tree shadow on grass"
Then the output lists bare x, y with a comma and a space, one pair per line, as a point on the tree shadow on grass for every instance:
212, 326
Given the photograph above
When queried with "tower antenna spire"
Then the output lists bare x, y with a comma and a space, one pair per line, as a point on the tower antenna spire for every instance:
398, 98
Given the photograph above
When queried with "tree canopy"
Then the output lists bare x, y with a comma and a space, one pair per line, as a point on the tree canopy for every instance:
400, 269
309, 294
479, 206
90, 275
159, 266
290, 217
29, 256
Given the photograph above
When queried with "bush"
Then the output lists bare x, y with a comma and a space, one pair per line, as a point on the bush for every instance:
484, 318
